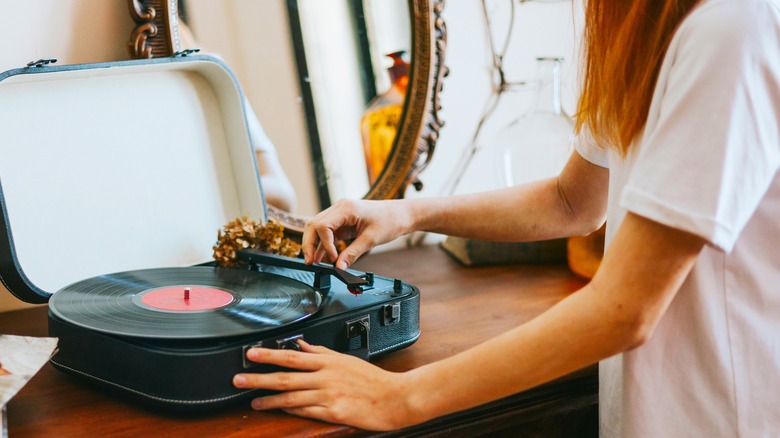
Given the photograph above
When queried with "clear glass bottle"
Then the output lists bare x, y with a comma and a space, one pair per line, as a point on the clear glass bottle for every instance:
536, 144
379, 124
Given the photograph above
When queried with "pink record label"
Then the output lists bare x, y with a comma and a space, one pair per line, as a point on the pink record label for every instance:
187, 298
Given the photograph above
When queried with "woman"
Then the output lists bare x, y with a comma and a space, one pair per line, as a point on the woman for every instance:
679, 150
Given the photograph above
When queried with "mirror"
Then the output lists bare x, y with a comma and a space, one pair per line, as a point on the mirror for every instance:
352, 107
157, 35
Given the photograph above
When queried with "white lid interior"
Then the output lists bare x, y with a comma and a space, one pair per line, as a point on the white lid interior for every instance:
124, 167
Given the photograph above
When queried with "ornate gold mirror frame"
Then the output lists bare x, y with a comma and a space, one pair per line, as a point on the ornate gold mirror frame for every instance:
156, 34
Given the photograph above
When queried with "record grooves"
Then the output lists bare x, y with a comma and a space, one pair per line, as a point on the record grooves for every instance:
185, 303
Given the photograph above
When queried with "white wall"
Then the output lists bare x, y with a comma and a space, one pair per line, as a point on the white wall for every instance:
73, 31
541, 29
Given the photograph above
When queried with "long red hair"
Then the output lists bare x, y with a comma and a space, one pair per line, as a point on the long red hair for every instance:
624, 46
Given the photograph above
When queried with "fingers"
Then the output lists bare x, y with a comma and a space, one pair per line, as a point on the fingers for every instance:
308, 348
319, 235
324, 385
351, 253
345, 220
321, 232
288, 401
292, 359
315, 412
319, 254
310, 242
301, 403
316, 242
280, 381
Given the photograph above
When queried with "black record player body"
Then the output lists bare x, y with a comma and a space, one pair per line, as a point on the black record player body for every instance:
196, 374
124, 183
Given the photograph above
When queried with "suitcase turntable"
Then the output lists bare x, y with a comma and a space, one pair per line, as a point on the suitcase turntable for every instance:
165, 328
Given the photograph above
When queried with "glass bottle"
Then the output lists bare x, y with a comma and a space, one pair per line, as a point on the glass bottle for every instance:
536, 144
379, 124
584, 253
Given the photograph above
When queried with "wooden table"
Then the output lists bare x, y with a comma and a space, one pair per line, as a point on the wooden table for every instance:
460, 307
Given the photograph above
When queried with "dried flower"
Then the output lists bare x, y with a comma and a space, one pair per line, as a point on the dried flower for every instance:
245, 233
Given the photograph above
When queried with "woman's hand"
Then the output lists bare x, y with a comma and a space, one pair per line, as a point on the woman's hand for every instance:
330, 386
370, 223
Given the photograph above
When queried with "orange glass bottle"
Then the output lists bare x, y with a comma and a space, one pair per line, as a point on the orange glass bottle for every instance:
584, 253
379, 124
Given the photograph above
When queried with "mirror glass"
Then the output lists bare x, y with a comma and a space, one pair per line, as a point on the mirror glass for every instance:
356, 55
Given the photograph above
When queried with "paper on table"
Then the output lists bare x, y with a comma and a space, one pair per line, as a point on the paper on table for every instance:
20, 358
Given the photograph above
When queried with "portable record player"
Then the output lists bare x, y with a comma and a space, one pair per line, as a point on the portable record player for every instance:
114, 179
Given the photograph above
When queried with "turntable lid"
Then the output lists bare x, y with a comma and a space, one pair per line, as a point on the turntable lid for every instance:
118, 166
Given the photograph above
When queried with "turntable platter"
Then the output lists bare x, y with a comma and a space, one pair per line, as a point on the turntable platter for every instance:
185, 303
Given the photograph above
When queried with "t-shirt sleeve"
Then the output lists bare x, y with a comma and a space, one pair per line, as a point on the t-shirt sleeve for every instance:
588, 149
260, 140
713, 152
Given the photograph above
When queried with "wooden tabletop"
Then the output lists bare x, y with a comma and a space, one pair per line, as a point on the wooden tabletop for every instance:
460, 307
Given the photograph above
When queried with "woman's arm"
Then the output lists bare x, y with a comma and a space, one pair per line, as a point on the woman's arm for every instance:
617, 311
574, 203
277, 188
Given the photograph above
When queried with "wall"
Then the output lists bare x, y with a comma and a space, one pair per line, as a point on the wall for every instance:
73, 31
542, 28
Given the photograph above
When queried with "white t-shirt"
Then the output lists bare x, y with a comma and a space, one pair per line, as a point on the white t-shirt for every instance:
707, 163
260, 140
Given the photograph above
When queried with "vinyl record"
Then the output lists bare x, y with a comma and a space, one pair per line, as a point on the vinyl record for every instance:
185, 303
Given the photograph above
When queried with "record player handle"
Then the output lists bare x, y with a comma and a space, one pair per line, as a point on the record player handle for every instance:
354, 283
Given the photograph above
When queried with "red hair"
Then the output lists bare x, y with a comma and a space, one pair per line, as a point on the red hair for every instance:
624, 43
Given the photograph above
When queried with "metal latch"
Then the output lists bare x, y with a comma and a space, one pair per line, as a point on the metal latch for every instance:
357, 336
41, 62
290, 343
391, 314
247, 363
185, 52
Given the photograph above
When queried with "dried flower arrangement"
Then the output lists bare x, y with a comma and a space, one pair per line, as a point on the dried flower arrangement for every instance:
246, 233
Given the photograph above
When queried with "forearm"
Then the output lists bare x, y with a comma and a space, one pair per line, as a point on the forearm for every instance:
574, 203
522, 213
616, 311
568, 337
